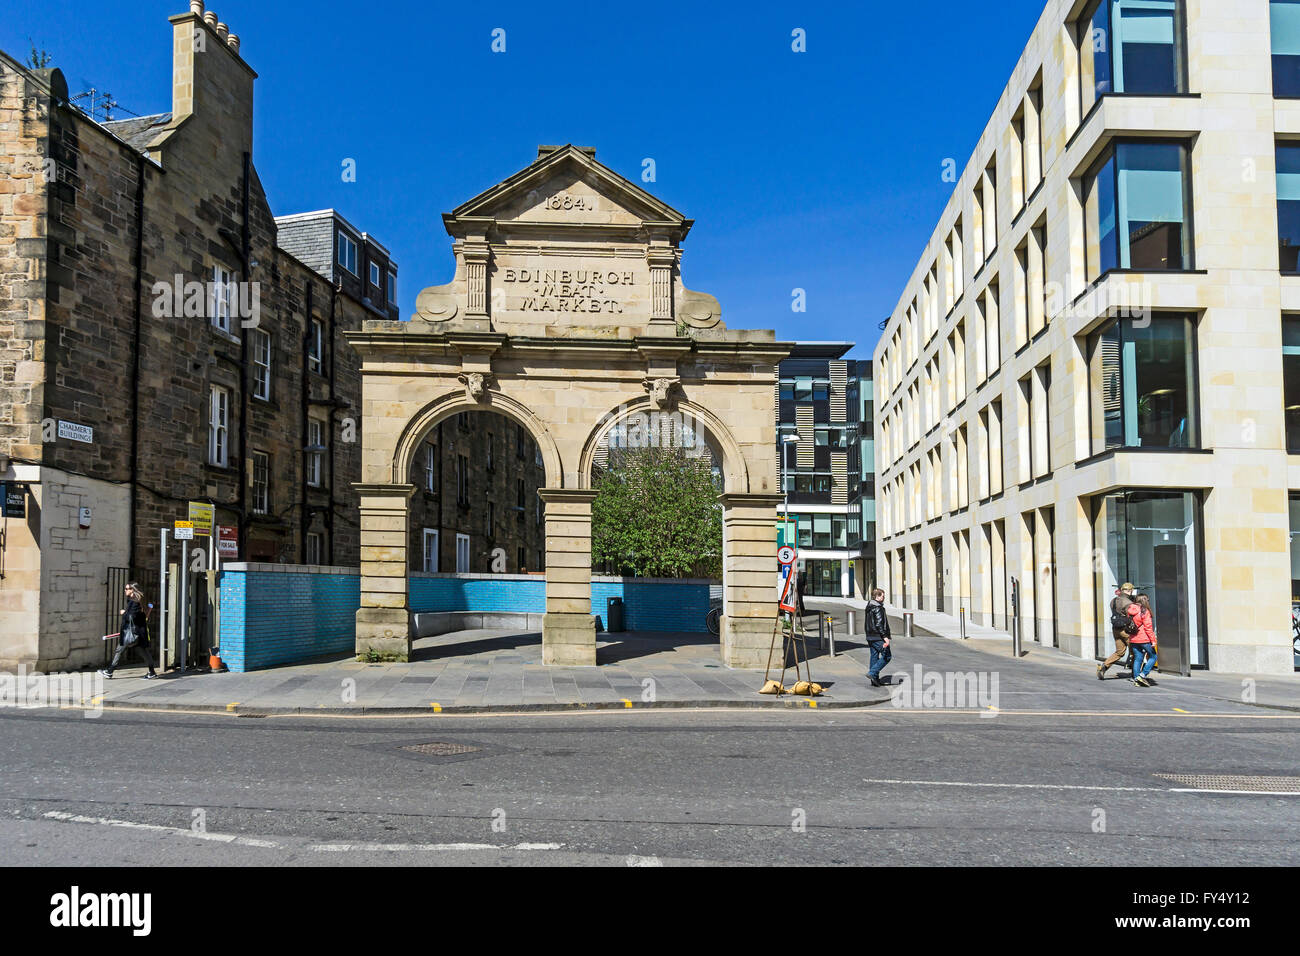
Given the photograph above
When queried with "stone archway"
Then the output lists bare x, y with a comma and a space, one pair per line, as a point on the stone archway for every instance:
567, 303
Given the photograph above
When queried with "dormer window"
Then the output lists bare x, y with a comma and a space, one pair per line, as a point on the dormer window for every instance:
347, 252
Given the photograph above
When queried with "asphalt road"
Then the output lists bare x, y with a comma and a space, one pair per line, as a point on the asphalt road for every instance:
877, 786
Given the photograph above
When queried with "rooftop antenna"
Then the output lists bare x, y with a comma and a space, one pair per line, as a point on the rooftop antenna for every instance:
101, 105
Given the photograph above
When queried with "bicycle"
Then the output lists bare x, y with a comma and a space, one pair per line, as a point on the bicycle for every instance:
713, 620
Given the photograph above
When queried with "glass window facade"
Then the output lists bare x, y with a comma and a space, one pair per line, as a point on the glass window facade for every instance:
1288, 206
1284, 21
1138, 208
1291, 381
1153, 539
1143, 384
1131, 46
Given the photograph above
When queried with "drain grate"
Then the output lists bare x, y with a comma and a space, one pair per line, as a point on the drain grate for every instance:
1204, 781
441, 749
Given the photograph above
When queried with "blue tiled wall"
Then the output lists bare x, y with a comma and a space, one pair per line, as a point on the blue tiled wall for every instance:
478, 594
282, 617
272, 617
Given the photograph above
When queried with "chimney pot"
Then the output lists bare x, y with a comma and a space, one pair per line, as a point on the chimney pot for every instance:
223, 31
210, 18
233, 42
196, 7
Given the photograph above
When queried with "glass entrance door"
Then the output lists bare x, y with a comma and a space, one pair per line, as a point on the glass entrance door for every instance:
1152, 539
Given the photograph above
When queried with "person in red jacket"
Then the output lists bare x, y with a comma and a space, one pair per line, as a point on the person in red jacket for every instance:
1143, 642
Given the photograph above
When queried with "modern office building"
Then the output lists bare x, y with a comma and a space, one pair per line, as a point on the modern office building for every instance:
1093, 373
819, 435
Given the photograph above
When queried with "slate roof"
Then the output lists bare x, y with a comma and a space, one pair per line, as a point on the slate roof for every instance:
139, 131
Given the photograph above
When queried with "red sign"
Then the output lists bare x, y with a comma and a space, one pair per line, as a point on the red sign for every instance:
227, 541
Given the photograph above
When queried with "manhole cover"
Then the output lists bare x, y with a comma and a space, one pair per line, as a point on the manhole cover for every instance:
1202, 781
441, 749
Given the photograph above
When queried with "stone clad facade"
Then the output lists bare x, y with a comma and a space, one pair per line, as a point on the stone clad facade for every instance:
1018, 440
567, 314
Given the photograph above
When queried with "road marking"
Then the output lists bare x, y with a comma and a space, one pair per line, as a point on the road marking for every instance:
157, 828
1180, 710
1019, 786
1066, 786
426, 847
437, 708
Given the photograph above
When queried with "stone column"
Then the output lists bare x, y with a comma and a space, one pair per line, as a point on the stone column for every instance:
568, 631
749, 558
384, 618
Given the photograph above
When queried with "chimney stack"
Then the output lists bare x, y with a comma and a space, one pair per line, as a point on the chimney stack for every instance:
213, 87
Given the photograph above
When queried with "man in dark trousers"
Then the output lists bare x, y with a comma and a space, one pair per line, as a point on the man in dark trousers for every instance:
877, 630
1118, 611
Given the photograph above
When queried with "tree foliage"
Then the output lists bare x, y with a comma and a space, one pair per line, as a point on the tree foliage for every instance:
657, 514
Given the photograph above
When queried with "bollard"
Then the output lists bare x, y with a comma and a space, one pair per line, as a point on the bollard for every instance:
908, 620
853, 623
962, 614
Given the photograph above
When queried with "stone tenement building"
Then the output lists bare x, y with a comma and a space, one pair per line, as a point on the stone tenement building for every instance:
476, 479
123, 395
1092, 376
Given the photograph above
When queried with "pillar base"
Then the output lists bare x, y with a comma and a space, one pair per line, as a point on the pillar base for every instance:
568, 640
385, 631
747, 642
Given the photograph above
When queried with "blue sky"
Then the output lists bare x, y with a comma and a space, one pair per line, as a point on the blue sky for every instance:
818, 170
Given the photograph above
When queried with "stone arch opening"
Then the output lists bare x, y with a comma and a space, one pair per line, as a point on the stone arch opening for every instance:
567, 302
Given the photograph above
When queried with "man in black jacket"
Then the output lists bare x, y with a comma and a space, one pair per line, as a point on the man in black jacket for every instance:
877, 628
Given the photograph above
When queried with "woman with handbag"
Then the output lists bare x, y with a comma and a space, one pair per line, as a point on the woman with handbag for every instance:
134, 632
1143, 642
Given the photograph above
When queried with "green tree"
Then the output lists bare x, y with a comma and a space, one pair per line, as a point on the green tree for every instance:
657, 515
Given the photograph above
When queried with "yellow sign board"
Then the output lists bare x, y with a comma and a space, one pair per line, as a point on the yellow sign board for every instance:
200, 516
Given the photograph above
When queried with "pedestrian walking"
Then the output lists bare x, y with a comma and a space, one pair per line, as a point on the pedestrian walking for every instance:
1121, 625
1143, 642
134, 632
877, 631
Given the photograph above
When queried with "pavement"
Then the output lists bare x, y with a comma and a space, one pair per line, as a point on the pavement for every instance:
494, 671
489, 670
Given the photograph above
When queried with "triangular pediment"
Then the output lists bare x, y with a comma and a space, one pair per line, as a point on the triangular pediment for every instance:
567, 186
